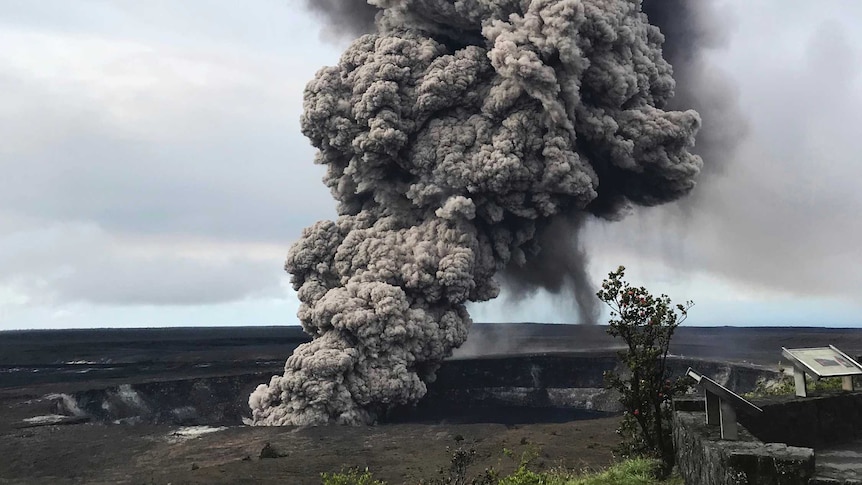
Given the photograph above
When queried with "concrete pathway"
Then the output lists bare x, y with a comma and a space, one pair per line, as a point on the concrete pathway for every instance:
839, 464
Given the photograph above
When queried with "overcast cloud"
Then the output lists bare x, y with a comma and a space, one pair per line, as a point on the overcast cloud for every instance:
154, 172
783, 217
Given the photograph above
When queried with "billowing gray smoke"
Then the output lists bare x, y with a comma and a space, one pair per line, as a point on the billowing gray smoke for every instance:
345, 18
692, 27
461, 140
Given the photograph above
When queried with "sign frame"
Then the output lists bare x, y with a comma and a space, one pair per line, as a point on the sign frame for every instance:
802, 369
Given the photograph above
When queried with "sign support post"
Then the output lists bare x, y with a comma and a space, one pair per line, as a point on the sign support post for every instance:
721, 405
800, 382
728, 422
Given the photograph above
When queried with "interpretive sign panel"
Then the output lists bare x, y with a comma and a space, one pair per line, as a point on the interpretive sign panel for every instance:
722, 404
824, 361
711, 386
821, 362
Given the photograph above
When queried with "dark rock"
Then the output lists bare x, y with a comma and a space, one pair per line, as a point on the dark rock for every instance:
268, 451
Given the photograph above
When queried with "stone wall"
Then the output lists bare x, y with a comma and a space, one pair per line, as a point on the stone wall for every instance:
814, 421
703, 458
774, 447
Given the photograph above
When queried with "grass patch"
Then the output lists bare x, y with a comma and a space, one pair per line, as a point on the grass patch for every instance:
636, 471
350, 477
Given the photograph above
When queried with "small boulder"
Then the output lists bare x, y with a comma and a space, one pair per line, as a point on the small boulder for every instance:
268, 451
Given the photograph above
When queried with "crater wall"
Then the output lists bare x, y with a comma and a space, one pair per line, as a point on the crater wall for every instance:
529, 388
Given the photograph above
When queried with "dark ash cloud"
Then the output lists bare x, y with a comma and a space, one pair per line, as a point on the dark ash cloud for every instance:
344, 19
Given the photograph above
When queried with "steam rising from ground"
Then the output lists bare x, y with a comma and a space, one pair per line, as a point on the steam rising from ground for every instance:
465, 140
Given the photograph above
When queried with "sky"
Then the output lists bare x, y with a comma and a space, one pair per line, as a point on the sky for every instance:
154, 173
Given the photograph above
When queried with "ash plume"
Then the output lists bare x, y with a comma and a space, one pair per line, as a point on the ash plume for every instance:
560, 267
458, 139
691, 28
344, 18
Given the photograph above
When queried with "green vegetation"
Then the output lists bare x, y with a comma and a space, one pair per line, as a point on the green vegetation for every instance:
646, 325
456, 473
350, 477
636, 471
785, 385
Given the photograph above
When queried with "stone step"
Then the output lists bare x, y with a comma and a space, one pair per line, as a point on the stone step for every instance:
833, 481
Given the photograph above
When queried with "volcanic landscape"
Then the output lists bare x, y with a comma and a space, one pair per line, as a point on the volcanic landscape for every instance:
168, 405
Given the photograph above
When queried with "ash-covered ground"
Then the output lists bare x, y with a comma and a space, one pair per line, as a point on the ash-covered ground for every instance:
43, 439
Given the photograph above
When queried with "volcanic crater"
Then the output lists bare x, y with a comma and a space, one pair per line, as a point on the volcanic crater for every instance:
136, 405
